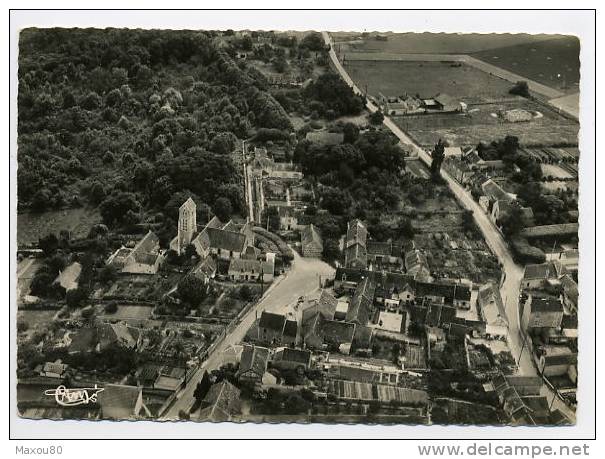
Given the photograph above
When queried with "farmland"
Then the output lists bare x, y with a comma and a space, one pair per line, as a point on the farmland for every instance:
481, 124
440, 43
554, 62
32, 226
427, 79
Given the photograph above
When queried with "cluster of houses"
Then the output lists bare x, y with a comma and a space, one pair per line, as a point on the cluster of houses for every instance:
215, 241
549, 303
279, 185
411, 105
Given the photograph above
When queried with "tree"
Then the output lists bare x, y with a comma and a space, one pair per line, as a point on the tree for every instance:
521, 88
48, 244
202, 387
512, 221
115, 207
376, 118
222, 208
351, 132
111, 307
438, 156
76, 297
108, 274
191, 290
223, 143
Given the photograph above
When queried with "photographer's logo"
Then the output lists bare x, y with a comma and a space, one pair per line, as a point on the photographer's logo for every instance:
74, 397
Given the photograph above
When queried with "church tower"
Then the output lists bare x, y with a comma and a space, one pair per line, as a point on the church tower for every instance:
187, 225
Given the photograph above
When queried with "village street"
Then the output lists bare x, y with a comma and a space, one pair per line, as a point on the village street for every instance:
512, 272
302, 279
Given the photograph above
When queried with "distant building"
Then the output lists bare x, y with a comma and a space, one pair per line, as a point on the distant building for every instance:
55, 369
288, 219
311, 242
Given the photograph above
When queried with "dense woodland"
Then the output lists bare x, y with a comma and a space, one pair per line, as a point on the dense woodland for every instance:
127, 119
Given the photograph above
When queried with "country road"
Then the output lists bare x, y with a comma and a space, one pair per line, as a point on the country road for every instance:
513, 272
302, 279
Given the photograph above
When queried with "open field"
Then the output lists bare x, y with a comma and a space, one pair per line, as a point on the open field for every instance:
129, 311
32, 226
555, 171
442, 43
481, 124
554, 63
427, 79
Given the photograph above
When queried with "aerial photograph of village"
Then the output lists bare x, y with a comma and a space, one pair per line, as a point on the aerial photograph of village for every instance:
297, 227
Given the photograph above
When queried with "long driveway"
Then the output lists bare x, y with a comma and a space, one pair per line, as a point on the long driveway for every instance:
302, 279
513, 273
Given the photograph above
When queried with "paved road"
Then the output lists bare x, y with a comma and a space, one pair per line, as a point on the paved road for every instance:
513, 272
302, 279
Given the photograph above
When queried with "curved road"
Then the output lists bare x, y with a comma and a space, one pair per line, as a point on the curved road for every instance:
513, 273
302, 279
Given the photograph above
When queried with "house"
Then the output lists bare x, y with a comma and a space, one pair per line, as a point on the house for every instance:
68, 278
444, 103
416, 265
117, 334
325, 138
495, 192
458, 169
226, 245
287, 218
355, 245
361, 305
290, 332
54, 369
542, 312
253, 364
291, 359
537, 275
170, 378
557, 361
396, 105
271, 327
220, 403
347, 278
383, 252
320, 333
145, 258
492, 310
251, 253
311, 242
205, 270
570, 293
325, 305
118, 401
242, 270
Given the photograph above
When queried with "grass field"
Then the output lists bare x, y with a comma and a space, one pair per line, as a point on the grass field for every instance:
427, 79
440, 43
32, 226
554, 63
480, 125
129, 311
